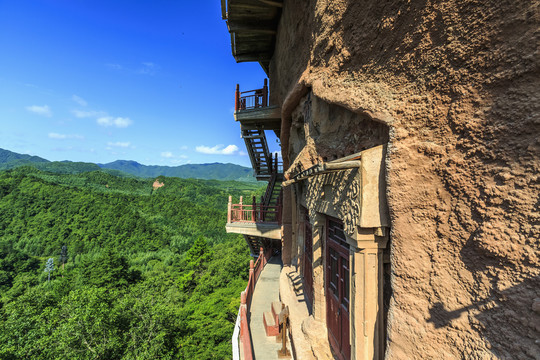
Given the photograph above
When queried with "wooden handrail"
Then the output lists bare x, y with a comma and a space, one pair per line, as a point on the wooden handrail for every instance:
251, 99
258, 213
255, 269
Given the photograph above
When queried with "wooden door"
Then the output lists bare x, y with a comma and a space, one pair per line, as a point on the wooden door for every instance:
337, 289
308, 258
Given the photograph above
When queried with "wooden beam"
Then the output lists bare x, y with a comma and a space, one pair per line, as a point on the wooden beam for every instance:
272, 3
252, 57
252, 6
260, 27
223, 9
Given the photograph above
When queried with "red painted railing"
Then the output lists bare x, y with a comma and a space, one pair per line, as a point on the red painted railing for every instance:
255, 269
254, 213
251, 99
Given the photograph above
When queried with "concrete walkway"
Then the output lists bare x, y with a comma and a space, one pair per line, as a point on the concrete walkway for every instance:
266, 291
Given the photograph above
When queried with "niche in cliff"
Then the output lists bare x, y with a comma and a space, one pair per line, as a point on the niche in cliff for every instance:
322, 131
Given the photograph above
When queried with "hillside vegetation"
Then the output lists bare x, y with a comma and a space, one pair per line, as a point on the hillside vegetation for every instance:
150, 273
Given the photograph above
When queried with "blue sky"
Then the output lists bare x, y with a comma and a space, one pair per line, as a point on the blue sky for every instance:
97, 81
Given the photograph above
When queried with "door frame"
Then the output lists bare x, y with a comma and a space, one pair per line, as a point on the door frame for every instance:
336, 243
308, 257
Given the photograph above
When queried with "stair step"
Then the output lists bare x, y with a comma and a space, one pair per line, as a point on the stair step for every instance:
252, 136
270, 326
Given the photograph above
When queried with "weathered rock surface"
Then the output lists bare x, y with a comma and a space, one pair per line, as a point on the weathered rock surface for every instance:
457, 83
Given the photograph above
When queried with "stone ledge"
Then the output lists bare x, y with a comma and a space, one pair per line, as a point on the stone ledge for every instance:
309, 335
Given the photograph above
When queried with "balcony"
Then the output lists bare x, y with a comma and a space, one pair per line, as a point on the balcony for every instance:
255, 220
252, 25
253, 111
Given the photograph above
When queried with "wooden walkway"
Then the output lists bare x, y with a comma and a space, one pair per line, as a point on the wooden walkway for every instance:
266, 291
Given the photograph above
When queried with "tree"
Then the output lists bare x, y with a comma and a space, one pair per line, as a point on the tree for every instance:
63, 255
49, 266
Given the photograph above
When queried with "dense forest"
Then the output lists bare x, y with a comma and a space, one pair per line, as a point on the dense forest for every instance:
97, 266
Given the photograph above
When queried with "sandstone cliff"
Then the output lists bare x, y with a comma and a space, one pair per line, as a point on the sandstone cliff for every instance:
457, 83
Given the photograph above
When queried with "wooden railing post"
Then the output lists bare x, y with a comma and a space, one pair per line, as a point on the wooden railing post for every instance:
265, 93
261, 256
254, 210
229, 211
241, 209
237, 98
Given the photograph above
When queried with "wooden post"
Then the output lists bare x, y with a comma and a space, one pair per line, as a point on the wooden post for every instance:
283, 326
241, 217
229, 210
237, 98
276, 163
261, 256
265, 93
254, 209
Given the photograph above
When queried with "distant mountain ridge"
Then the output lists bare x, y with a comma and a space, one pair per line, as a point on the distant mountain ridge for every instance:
9, 156
213, 171
217, 171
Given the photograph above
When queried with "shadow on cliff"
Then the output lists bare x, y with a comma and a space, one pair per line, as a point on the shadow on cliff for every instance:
501, 318
504, 316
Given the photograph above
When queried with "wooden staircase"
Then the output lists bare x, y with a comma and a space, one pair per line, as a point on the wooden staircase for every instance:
273, 191
266, 168
254, 243
257, 147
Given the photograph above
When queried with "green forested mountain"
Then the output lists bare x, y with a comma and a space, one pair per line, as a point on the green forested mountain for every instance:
150, 273
215, 171
8, 156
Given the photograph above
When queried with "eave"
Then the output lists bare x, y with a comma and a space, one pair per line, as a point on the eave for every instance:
252, 25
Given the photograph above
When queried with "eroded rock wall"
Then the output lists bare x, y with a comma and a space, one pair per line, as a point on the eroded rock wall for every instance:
457, 83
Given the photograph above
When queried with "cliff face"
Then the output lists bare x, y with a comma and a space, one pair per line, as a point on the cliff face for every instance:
457, 83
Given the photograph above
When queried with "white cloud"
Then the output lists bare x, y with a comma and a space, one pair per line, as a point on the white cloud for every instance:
79, 100
87, 114
118, 122
104, 119
218, 149
44, 110
64, 136
167, 154
121, 144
